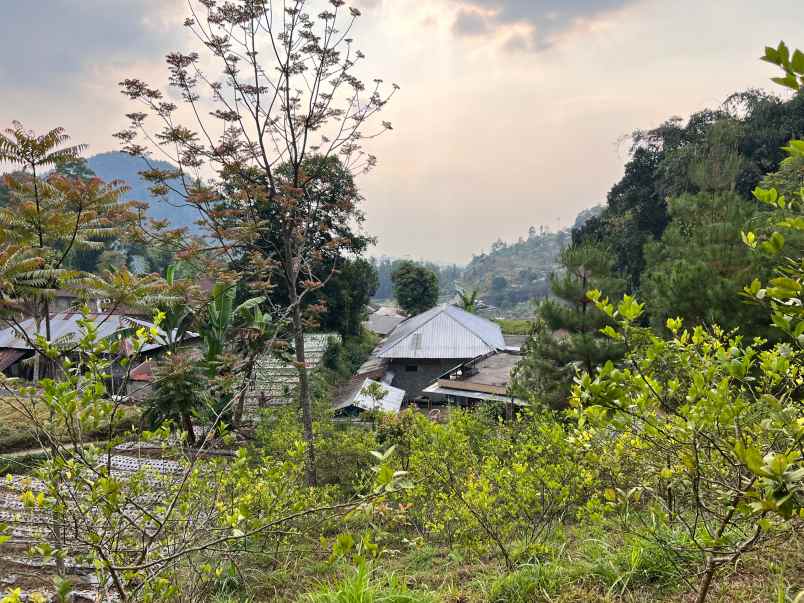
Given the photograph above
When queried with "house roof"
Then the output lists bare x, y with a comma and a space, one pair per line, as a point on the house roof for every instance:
483, 378
65, 329
391, 402
443, 332
383, 324
276, 379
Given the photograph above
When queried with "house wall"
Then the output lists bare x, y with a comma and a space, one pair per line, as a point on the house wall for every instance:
427, 371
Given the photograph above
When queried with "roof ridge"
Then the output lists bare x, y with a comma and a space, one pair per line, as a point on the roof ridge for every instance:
492, 345
442, 309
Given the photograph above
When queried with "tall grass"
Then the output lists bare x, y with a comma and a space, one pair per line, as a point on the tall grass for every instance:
367, 586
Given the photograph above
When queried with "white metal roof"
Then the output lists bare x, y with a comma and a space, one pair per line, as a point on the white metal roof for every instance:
65, 329
435, 388
443, 332
391, 402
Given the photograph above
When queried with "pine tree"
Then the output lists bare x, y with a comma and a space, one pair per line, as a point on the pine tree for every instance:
567, 338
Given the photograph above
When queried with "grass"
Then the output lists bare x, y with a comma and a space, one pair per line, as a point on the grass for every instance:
16, 434
367, 586
515, 326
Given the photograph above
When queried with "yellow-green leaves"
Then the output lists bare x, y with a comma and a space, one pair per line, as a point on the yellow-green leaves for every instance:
791, 64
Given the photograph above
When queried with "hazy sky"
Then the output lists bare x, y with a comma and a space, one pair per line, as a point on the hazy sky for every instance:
510, 112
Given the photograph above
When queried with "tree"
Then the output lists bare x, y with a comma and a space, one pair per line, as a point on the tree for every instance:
347, 295
702, 245
568, 338
154, 530
415, 288
468, 300
700, 430
726, 149
713, 425
287, 103
56, 215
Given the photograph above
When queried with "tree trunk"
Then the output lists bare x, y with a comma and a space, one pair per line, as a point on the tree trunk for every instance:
706, 582
304, 393
237, 418
187, 425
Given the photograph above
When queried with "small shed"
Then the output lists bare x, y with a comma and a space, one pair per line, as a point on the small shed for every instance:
391, 400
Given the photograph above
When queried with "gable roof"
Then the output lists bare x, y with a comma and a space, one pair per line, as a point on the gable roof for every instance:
443, 332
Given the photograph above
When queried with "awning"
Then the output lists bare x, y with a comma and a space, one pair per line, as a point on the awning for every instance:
472, 395
9, 357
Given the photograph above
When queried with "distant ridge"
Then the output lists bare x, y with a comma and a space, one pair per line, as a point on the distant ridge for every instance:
117, 165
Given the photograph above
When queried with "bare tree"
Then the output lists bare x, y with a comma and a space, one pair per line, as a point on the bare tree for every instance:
286, 101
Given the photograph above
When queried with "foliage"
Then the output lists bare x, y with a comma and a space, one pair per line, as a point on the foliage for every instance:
478, 483
415, 288
283, 211
448, 275
516, 273
515, 327
346, 297
178, 394
567, 336
727, 149
702, 245
467, 300
709, 428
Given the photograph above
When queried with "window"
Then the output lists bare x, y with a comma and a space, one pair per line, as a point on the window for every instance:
412, 368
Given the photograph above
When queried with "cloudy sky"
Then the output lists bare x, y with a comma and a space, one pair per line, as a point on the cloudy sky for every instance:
510, 112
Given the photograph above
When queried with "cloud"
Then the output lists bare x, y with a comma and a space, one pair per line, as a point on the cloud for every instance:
50, 43
528, 24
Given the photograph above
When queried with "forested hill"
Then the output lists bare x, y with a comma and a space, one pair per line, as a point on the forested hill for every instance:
120, 166
517, 273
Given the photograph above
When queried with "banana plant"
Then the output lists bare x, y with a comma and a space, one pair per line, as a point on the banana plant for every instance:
222, 316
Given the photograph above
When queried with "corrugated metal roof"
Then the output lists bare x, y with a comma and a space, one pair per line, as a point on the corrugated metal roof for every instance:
435, 388
391, 402
64, 329
382, 324
443, 332
276, 380
9, 357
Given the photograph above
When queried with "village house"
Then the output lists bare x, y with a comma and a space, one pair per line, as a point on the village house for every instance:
17, 346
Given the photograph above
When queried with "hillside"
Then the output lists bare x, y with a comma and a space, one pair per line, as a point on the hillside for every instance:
512, 274
120, 166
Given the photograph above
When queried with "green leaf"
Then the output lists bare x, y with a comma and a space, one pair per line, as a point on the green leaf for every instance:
783, 53
797, 62
771, 56
788, 81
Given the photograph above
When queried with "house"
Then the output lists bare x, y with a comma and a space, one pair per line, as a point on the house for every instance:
360, 400
383, 321
481, 380
17, 343
426, 346
134, 381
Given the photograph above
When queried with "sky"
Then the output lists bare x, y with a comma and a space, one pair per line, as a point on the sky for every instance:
510, 113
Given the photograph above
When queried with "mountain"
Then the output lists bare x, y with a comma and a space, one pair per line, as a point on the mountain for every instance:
121, 166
